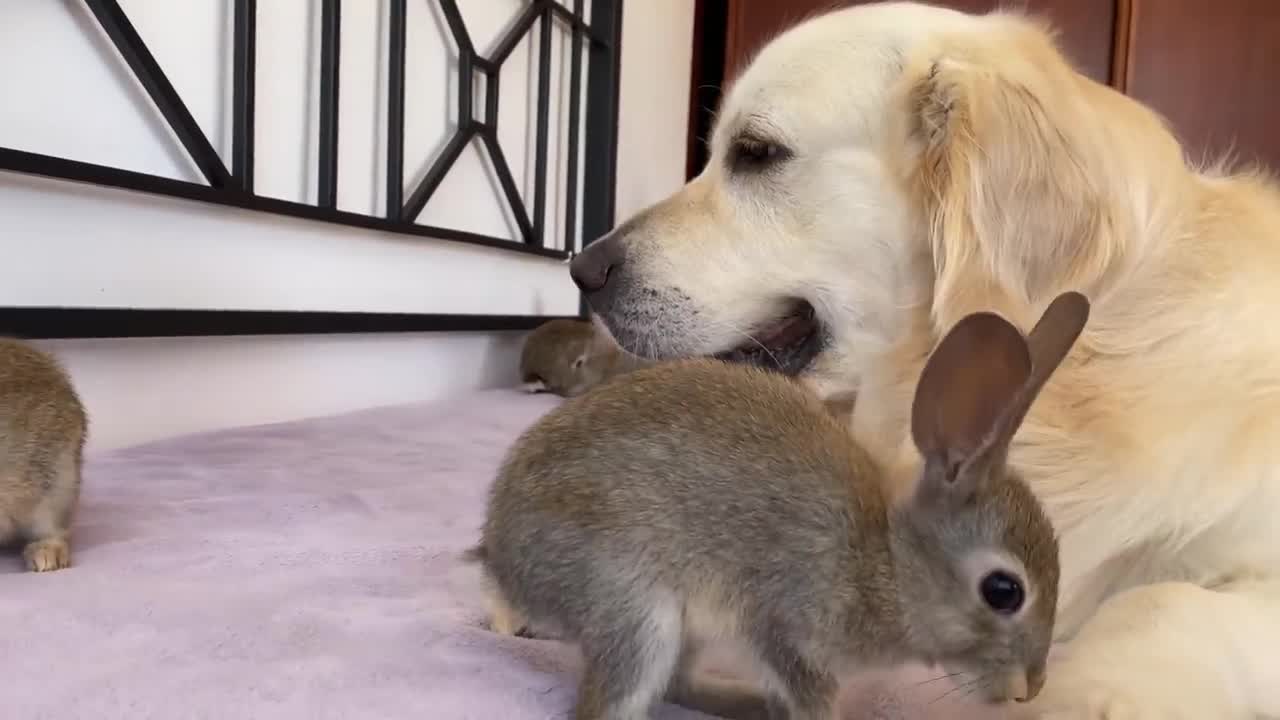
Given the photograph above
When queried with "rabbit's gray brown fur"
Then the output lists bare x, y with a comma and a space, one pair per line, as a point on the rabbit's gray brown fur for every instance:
42, 434
700, 500
568, 357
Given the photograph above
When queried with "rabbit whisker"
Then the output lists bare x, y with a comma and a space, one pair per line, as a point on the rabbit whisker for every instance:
920, 683
903, 687
968, 687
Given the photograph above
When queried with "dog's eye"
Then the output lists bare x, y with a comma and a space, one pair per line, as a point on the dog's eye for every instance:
754, 154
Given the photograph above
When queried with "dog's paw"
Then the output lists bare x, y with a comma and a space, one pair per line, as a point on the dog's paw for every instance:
1080, 701
1098, 707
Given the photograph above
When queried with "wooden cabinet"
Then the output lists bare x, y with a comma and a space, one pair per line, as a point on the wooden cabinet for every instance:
1087, 26
1210, 66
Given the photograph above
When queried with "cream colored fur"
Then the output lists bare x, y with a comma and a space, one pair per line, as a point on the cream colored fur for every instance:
942, 163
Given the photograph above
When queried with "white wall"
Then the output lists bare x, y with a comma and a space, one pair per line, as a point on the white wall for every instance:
97, 247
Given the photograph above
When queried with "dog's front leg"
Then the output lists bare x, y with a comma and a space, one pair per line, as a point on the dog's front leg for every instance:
1171, 651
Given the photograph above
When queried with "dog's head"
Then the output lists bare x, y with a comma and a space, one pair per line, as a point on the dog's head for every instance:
878, 158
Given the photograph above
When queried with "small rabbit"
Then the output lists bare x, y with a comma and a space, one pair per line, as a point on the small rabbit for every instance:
569, 357
698, 500
42, 434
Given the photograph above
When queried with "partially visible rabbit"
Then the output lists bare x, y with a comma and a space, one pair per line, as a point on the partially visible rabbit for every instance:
42, 434
698, 500
569, 357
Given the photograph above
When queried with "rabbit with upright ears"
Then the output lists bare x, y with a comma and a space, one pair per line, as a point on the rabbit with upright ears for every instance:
702, 501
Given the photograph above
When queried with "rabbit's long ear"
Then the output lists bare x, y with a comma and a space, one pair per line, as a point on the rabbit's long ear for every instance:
1049, 342
963, 402
977, 387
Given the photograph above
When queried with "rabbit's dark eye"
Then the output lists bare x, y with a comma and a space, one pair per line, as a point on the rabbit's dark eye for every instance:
1002, 592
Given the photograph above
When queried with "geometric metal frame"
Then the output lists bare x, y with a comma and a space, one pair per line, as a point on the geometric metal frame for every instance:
234, 186
470, 63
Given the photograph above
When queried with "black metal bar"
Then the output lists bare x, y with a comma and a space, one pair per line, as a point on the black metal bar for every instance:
466, 69
543, 130
575, 119
509, 187
466, 89
435, 174
602, 123
577, 23
395, 111
49, 323
457, 28
330, 47
244, 93
531, 13
140, 60
37, 164
601, 142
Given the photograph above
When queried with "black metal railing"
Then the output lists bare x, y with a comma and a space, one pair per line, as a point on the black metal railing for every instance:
235, 186
592, 147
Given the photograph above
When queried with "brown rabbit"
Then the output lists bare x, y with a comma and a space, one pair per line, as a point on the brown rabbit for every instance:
569, 357
42, 434
701, 500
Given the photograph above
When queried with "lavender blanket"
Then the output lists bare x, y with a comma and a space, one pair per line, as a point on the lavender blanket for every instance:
305, 570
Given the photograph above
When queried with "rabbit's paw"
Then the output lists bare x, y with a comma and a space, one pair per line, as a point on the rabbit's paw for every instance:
47, 554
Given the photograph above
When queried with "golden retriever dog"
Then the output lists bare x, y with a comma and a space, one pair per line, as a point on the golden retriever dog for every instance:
880, 171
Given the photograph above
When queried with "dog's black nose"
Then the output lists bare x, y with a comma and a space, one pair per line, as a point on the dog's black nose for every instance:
595, 270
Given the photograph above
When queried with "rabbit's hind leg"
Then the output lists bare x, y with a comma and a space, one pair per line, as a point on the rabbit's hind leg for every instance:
48, 528
720, 697
809, 687
503, 618
631, 651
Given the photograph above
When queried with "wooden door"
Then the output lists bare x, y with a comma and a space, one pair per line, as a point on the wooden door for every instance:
1212, 68
1087, 26
727, 33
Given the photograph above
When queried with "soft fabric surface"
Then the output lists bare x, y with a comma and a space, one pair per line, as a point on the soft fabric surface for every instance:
305, 570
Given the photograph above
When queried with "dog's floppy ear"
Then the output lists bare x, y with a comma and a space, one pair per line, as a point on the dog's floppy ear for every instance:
995, 164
